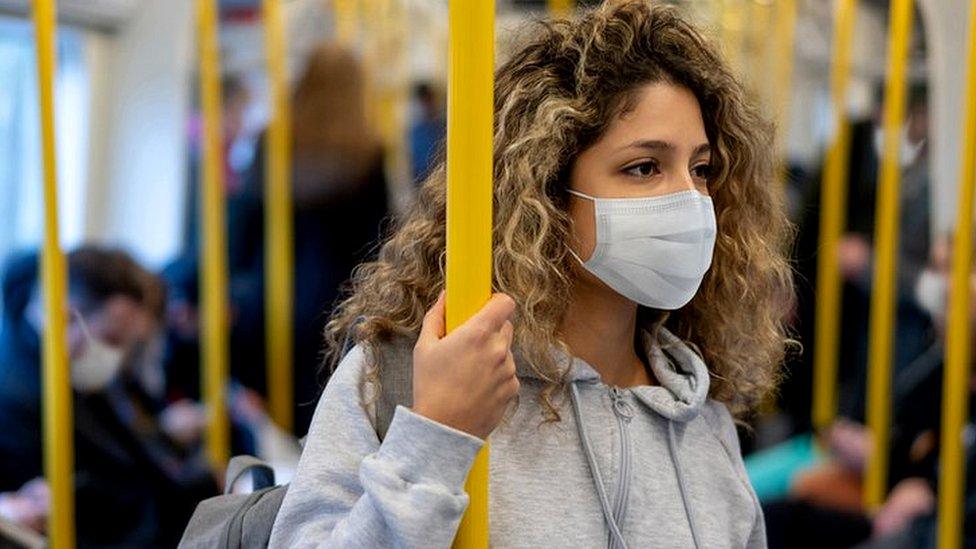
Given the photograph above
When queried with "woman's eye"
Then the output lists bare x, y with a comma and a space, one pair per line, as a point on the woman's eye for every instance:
644, 169
702, 171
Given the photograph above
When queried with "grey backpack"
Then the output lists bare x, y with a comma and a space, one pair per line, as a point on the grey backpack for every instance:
235, 521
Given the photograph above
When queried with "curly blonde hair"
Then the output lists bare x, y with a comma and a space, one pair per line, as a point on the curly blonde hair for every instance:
554, 98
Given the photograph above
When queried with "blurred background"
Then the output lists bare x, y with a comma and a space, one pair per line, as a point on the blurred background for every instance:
367, 82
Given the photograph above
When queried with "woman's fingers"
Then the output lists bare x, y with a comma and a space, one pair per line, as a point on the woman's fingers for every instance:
432, 328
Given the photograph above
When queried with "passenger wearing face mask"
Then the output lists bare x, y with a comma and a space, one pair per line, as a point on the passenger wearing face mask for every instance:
815, 517
134, 485
855, 258
642, 293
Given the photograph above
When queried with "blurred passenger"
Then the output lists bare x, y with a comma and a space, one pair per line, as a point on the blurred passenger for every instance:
235, 98
340, 201
855, 252
825, 509
427, 130
135, 485
182, 274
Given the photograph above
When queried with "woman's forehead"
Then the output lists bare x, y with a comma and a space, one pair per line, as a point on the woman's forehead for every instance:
659, 112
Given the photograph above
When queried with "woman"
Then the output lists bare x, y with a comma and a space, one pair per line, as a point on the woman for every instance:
639, 314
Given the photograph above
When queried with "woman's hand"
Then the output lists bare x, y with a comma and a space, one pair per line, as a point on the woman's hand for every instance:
466, 379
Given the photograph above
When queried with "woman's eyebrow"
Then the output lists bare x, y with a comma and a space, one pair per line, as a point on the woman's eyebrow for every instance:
658, 145
650, 144
702, 150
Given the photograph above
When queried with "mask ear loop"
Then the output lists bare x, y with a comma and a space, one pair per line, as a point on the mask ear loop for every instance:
84, 325
568, 247
573, 253
581, 195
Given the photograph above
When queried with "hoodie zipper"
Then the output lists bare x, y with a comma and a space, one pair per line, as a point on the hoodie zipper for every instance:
624, 412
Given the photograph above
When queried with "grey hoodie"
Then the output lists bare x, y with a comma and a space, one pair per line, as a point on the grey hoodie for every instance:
648, 466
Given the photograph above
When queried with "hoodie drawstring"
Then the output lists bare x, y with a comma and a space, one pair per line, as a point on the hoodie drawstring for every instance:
601, 491
615, 532
682, 486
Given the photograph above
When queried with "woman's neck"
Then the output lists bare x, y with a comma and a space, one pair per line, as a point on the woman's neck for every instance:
600, 327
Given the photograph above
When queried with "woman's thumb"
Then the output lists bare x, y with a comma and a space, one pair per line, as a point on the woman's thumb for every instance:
433, 326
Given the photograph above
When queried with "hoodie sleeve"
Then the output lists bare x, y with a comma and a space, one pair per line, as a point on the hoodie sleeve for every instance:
721, 423
350, 490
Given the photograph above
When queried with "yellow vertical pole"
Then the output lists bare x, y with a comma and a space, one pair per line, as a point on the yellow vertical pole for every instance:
470, 114
757, 31
279, 249
880, 341
213, 283
58, 417
731, 22
955, 384
346, 25
392, 91
560, 8
367, 12
782, 87
833, 205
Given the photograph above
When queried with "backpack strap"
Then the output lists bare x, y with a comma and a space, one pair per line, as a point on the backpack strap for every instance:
395, 379
262, 475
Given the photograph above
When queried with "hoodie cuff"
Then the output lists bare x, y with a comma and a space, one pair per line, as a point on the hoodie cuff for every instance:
427, 451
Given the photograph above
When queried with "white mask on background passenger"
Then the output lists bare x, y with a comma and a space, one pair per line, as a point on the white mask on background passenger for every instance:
654, 251
930, 293
97, 365
908, 152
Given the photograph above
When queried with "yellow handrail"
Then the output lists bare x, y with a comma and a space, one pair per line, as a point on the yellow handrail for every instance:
279, 248
390, 78
213, 253
886, 247
833, 205
58, 415
782, 87
759, 50
955, 384
732, 34
345, 18
560, 8
470, 113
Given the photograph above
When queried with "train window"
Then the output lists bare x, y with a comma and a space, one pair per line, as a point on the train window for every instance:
20, 148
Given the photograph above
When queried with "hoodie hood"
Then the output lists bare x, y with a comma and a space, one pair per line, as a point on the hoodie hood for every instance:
682, 375
680, 372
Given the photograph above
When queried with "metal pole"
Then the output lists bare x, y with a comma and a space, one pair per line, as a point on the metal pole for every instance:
279, 248
782, 88
560, 8
833, 205
213, 283
346, 24
58, 416
886, 259
469, 204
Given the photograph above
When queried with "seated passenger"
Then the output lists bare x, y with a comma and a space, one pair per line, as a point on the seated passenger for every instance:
824, 507
641, 293
134, 484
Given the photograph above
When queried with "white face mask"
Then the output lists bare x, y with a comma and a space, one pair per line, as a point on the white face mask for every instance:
654, 251
908, 152
97, 365
930, 293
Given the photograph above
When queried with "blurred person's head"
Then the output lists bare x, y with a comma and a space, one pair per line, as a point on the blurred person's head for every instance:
913, 135
115, 309
235, 97
573, 111
933, 290
427, 100
333, 146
